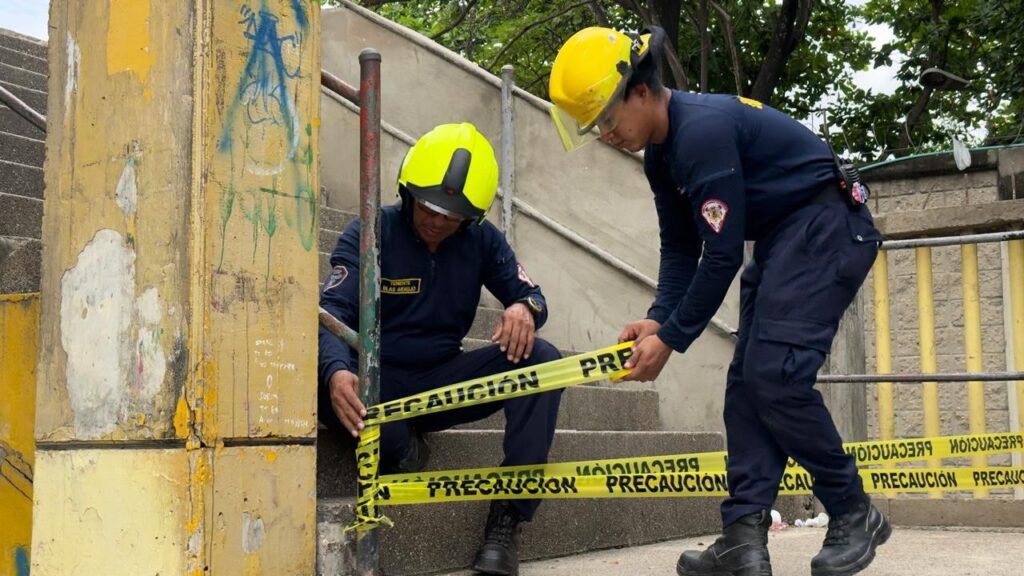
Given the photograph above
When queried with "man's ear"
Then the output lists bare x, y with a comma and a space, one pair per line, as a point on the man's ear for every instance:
640, 91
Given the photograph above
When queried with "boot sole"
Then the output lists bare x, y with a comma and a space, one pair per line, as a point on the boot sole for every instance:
881, 537
483, 568
755, 569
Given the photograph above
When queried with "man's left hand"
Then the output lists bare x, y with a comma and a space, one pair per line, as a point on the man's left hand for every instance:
515, 331
648, 360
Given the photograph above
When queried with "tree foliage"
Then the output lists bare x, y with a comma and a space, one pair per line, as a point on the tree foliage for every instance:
798, 55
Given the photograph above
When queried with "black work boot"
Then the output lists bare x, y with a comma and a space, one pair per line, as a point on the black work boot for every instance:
741, 550
415, 458
851, 541
500, 551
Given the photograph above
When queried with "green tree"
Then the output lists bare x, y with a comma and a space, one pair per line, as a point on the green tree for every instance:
794, 54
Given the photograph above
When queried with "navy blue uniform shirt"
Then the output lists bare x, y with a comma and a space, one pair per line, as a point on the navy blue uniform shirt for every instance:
730, 169
428, 299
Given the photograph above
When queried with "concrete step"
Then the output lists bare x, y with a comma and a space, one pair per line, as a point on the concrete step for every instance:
20, 265
35, 99
435, 537
20, 59
15, 41
20, 217
12, 123
593, 408
334, 220
21, 149
23, 78
20, 179
457, 449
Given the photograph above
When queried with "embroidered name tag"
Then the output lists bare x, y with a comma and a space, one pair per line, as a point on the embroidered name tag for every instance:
401, 286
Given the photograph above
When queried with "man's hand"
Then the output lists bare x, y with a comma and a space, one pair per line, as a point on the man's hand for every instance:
637, 331
515, 331
648, 360
344, 388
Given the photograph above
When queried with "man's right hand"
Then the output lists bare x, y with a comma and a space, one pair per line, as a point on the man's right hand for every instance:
637, 331
344, 388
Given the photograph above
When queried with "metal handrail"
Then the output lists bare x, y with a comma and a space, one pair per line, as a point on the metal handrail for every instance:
952, 240
920, 377
23, 110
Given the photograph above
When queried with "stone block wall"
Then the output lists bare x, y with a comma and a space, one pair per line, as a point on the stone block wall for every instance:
903, 190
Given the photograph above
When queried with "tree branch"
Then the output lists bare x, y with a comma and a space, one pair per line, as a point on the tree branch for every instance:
599, 14
531, 26
790, 29
730, 40
458, 20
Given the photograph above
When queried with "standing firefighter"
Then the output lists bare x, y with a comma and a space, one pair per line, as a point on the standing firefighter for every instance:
725, 169
437, 252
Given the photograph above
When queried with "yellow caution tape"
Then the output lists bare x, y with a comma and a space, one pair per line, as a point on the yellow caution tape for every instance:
368, 488
684, 484
606, 363
865, 454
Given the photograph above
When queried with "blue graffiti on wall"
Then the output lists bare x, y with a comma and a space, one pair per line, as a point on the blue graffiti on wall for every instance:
264, 104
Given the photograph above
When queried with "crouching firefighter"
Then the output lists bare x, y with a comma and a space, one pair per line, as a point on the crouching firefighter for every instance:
725, 169
437, 252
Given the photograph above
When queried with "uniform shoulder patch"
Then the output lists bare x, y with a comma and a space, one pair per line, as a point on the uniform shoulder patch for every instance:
713, 212
523, 277
338, 276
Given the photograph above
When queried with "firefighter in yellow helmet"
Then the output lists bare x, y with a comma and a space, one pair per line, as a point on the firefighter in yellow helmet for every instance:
437, 252
724, 170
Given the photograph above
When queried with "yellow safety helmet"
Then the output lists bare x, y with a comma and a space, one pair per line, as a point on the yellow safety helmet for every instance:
451, 169
589, 76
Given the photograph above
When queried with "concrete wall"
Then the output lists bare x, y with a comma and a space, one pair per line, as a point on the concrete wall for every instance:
598, 192
176, 392
929, 197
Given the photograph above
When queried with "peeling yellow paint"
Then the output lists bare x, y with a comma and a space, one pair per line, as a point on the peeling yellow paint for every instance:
19, 341
181, 419
271, 455
110, 512
128, 46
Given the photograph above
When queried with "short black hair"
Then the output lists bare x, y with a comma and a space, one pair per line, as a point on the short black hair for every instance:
648, 73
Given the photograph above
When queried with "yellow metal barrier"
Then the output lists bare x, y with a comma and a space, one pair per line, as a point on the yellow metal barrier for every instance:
972, 346
19, 342
1016, 271
926, 335
883, 346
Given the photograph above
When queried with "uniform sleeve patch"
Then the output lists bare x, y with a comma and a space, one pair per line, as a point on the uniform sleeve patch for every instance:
714, 212
338, 276
525, 279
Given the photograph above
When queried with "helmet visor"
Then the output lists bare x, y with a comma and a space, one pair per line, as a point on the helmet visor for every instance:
574, 135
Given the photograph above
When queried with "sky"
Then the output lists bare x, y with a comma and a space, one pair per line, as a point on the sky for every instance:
28, 17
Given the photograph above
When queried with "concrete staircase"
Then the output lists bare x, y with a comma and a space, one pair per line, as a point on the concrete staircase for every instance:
23, 71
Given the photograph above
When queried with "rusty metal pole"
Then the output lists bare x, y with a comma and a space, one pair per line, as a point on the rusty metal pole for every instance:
367, 553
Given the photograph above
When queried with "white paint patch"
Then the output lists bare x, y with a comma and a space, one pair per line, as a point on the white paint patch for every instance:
111, 338
71, 83
127, 193
150, 361
96, 307
252, 533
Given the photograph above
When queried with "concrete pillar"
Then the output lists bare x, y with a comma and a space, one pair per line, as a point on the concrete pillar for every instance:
176, 382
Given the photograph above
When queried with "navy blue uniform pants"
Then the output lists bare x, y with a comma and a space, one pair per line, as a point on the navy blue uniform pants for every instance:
530, 420
801, 280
